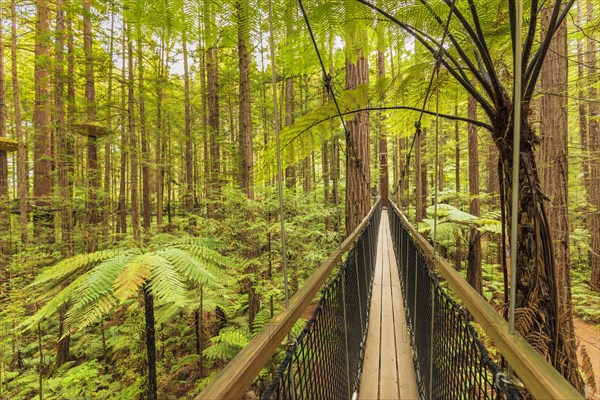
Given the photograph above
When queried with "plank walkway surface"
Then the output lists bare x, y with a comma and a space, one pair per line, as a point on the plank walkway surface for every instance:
388, 371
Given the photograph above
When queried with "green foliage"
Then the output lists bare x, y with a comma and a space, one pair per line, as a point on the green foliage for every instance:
586, 303
82, 381
109, 278
451, 221
226, 344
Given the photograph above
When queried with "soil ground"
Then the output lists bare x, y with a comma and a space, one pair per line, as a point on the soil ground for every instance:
588, 335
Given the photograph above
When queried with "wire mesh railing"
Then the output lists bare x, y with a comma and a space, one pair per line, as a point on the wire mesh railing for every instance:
450, 360
325, 360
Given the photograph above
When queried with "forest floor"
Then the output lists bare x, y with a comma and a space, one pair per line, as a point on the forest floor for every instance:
589, 335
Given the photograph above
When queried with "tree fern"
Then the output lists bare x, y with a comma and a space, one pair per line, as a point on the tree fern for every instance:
74, 265
164, 271
109, 278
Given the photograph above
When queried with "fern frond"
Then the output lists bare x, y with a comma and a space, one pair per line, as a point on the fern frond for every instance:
70, 266
135, 273
227, 344
100, 281
77, 320
190, 267
165, 282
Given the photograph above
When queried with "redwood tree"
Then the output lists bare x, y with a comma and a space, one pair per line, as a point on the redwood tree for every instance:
93, 216
42, 148
4, 209
593, 154
245, 115
358, 155
22, 181
474, 261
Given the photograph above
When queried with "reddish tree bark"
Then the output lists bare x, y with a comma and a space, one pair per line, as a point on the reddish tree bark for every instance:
474, 261
42, 149
358, 155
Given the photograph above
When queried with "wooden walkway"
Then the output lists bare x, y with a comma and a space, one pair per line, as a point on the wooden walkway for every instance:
388, 371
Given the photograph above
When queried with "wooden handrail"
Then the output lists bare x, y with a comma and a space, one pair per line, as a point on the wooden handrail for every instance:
541, 379
234, 380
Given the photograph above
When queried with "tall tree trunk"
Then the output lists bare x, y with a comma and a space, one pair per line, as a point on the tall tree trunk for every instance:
419, 215
205, 133
383, 152
245, 114
583, 109
594, 155
145, 150
122, 206
212, 65
358, 172
493, 189
424, 186
22, 170
92, 146
245, 137
325, 172
64, 158
441, 179
456, 153
474, 261
160, 175
290, 170
554, 178
399, 166
335, 156
107, 221
457, 234
189, 162
135, 218
70, 143
5, 245
42, 151
306, 175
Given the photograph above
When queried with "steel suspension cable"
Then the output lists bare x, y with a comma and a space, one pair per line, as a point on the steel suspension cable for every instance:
438, 59
327, 79
515, 169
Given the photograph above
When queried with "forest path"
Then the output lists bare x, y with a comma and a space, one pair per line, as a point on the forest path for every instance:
589, 335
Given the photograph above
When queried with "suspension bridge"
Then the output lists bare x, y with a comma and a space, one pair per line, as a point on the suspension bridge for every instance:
393, 320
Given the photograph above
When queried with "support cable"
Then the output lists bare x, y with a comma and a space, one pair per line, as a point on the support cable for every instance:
438, 61
327, 80
515, 168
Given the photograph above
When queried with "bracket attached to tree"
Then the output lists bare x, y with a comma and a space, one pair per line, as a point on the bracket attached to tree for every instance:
92, 129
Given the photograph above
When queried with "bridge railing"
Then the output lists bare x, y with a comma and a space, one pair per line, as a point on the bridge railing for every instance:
450, 359
325, 360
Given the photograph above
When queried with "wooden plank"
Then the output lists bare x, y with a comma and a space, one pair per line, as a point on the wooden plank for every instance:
386, 262
541, 379
388, 371
388, 384
233, 380
369, 386
407, 378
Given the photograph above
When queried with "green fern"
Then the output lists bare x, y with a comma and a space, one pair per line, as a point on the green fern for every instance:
227, 344
107, 279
